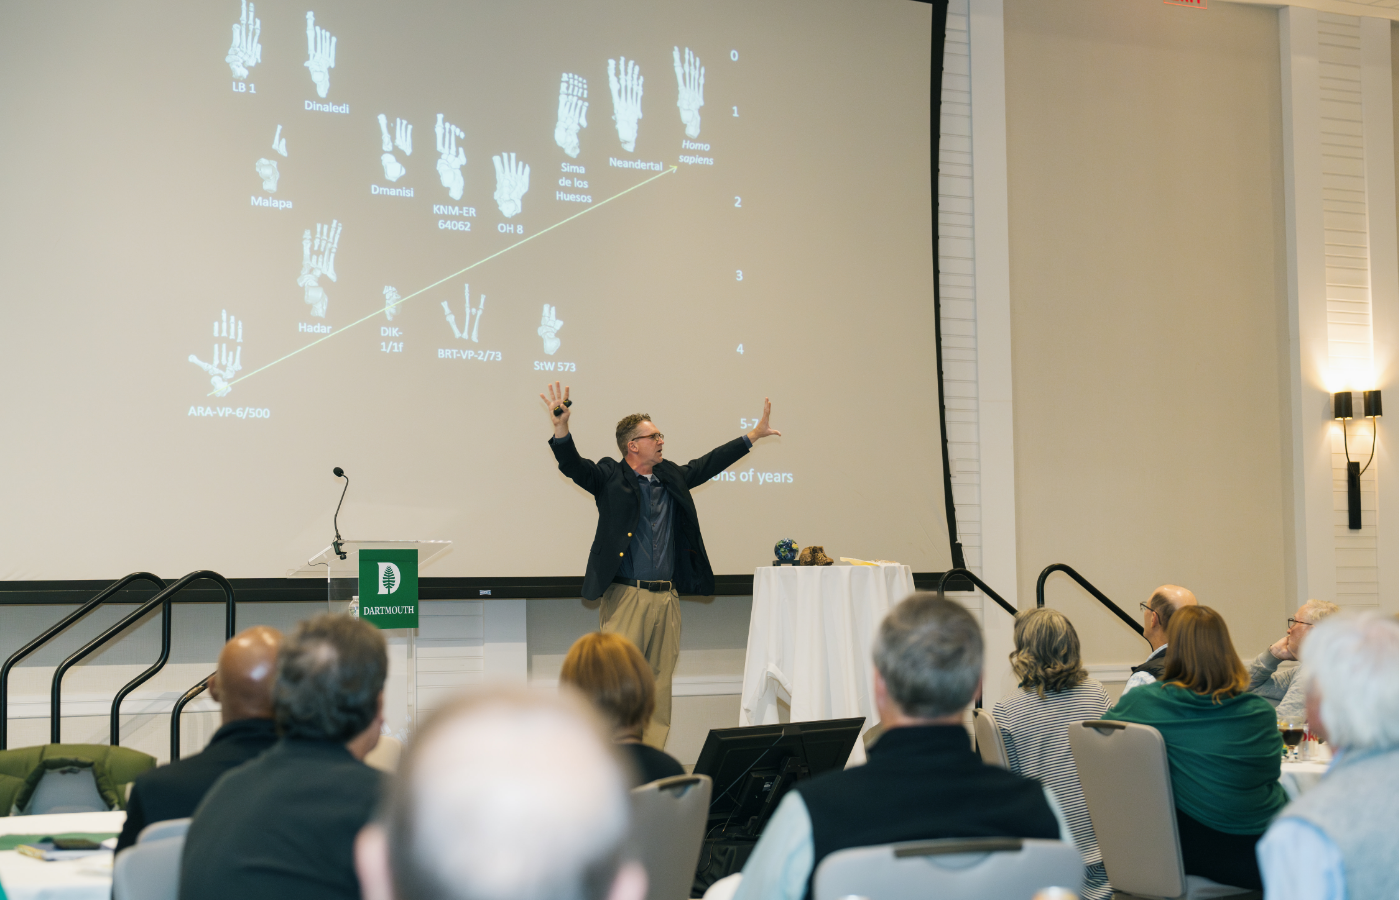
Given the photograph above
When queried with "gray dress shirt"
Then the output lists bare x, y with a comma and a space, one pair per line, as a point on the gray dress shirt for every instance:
651, 555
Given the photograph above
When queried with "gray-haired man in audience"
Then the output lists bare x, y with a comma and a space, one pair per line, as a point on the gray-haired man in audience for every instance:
283, 826
1287, 688
504, 796
1341, 840
922, 781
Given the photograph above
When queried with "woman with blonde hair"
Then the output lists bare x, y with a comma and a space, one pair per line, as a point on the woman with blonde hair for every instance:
1223, 747
611, 672
1054, 690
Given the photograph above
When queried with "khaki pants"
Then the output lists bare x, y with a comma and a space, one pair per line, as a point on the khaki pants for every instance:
652, 621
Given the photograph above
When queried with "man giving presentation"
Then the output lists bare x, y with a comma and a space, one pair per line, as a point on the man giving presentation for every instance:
647, 549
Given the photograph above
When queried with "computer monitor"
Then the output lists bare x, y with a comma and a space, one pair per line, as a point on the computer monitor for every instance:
753, 767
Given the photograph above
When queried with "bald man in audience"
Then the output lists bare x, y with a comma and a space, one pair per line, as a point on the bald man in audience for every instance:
504, 796
1156, 613
283, 826
242, 686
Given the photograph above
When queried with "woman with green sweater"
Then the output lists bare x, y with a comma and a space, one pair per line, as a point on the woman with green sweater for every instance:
1223, 748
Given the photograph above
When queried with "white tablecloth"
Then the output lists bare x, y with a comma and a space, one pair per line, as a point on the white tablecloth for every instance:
1298, 777
809, 641
76, 879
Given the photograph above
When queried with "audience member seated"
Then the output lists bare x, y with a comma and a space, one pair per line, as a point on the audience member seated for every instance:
922, 781
503, 796
284, 824
1156, 615
1223, 748
1287, 689
611, 672
242, 685
1340, 839
1055, 691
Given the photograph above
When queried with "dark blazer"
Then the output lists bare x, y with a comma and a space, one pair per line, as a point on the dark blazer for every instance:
281, 827
173, 791
614, 489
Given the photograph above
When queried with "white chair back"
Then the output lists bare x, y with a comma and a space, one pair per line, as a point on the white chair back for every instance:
989, 742
668, 827
149, 870
1128, 788
163, 829
950, 869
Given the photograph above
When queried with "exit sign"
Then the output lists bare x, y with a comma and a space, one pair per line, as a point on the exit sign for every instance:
1198, 4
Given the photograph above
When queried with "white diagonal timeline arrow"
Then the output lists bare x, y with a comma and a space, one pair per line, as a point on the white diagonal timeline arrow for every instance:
440, 281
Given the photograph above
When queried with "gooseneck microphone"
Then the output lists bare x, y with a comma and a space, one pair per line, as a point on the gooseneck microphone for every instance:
339, 542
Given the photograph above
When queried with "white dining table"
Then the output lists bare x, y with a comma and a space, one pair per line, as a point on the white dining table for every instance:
1300, 777
89, 878
810, 636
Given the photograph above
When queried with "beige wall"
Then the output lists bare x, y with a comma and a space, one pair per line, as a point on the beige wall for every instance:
1144, 167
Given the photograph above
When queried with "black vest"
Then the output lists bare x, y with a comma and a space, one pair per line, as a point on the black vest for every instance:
1153, 666
922, 783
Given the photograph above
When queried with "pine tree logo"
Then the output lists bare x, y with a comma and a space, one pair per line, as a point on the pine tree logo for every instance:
388, 578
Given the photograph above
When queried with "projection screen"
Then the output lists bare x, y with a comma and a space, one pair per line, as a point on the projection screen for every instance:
244, 243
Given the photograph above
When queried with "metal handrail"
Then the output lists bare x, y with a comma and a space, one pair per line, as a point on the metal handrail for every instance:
165, 643
1095, 592
54, 630
196, 690
980, 584
56, 691
163, 600
185, 698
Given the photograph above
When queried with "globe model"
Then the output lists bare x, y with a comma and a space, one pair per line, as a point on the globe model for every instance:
785, 550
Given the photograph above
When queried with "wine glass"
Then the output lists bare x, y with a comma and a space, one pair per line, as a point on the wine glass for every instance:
1292, 733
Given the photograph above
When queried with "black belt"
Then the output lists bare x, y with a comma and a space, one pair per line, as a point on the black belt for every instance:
645, 585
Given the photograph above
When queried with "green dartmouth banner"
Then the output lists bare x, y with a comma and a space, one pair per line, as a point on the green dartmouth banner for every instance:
389, 588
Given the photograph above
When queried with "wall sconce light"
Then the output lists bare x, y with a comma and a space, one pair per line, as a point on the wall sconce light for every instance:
1341, 409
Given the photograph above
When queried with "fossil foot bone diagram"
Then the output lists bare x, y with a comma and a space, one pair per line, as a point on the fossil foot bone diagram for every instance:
690, 88
512, 181
401, 138
471, 325
625, 82
267, 171
573, 113
317, 260
451, 157
549, 330
320, 53
223, 365
245, 51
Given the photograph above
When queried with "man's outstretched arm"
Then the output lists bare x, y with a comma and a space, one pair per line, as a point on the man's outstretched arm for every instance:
584, 472
698, 471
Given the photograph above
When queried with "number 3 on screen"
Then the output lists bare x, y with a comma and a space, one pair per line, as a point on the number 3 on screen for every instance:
738, 274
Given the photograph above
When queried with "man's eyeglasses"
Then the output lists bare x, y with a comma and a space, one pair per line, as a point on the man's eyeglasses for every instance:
1146, 608
658, 436
1292, 622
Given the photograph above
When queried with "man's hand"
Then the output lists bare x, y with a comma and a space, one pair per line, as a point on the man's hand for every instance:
1280, 650
555, 401
762, 430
